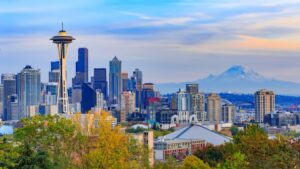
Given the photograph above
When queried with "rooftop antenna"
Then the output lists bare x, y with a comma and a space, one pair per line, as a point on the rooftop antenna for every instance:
62, 26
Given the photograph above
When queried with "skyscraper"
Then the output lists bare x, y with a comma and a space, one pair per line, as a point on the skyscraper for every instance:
100, 81
28, 89
54, 73
125, 81
214, 107
54, 65
198, 106
89, 97
82, 67
13, 107
115, 81
128, 102
192, 88
228, 113
264, 104
183, 101
137, 83
9, 88
62, 41
147, 93
1, 101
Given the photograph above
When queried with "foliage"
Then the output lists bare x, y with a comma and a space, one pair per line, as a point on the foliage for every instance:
192, 162
212, 154
53, 142
251, 148
8, 153
158, 133
110, 147
52, 138
169, 163
237, 161
136, 130
234, 130
292, 134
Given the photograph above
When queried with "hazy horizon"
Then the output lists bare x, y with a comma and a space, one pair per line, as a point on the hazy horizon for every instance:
170, 40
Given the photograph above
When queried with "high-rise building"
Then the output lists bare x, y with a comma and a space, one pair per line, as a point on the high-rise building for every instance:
54, 76
9, 88
153, 108
214, 107
138, 76
62, 41
100, 81
54, 65
128, 102
13, 107
115, 81
82, 65
125, 81
28, 89
228, 113
192, 88
136, 85
264, 103
1, 101
146, 93
132, 84
183, 101
89, 97
198, 106
100, 101
76, 95
50, 96
54, 73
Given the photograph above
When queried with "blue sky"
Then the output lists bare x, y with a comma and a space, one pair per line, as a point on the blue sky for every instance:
169, 40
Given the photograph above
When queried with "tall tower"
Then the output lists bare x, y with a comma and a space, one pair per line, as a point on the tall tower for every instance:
62, 41
214, 107
115, 81
264, 104
28, 89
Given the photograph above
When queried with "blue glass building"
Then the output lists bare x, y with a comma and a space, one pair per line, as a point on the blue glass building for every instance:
82, 65
54, 65
28, 89
115, 81
100, 81
88, 100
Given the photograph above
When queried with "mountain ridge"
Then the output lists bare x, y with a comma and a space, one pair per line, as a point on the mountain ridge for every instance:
236, 79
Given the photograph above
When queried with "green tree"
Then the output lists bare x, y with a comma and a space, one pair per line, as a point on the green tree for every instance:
8, 153
237, 161
51, 138
169, 163
234, 130
192, 162
213, 155
261, 152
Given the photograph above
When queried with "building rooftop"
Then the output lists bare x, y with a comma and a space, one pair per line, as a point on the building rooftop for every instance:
197, 132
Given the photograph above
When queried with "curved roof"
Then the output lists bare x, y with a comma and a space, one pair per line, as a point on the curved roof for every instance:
193, 132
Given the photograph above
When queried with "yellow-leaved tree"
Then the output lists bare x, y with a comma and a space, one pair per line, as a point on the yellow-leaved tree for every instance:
108, 147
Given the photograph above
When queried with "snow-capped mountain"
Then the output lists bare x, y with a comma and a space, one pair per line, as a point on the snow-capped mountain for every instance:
237, 79
237, 72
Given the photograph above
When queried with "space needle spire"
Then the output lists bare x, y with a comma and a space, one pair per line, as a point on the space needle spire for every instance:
62, 41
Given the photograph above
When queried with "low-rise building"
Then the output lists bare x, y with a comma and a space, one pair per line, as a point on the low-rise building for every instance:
185, 141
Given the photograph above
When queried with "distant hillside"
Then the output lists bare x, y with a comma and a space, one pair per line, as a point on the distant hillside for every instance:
237, 79
238, 99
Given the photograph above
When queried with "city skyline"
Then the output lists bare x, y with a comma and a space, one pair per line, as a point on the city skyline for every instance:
167, 44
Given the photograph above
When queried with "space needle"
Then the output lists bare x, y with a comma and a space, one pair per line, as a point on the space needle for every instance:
62, 41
